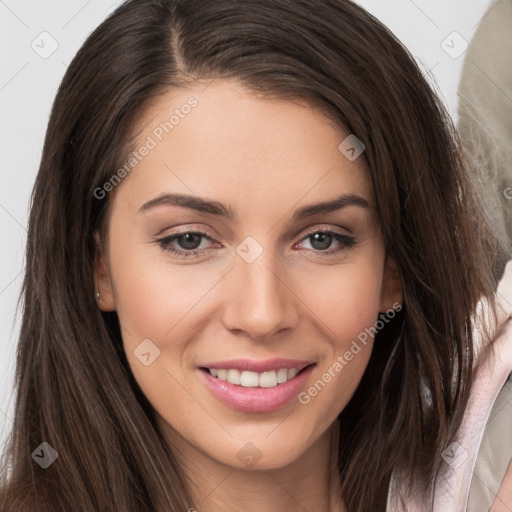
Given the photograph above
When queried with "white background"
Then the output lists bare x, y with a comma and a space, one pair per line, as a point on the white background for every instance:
28, 84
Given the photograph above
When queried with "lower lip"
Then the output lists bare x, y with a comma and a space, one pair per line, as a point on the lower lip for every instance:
253, 399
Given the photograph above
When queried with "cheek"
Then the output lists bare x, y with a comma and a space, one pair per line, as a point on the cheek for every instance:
162, 302
155, 297
345, 298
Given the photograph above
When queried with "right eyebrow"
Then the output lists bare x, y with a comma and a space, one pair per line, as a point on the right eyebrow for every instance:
193, 202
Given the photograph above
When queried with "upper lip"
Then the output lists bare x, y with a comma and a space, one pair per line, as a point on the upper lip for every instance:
257, 366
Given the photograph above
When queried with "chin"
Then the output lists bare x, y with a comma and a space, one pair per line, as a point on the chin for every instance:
263, 454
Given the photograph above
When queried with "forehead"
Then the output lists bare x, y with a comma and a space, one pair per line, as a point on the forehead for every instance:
223, 140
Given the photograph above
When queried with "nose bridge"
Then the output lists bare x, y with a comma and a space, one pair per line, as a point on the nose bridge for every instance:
261, 303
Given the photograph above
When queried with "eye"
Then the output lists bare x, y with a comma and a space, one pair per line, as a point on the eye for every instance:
189, 243
321, 241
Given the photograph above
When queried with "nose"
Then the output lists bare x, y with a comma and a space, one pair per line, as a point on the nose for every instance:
260, 299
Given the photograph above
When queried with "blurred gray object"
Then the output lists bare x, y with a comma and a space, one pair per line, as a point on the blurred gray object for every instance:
485, 113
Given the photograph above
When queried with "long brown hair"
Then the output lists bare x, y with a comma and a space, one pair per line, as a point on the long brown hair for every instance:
75, 389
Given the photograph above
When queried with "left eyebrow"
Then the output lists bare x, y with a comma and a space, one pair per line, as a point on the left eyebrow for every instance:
338, 203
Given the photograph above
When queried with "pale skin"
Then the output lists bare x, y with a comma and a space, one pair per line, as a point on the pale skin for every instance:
265, 159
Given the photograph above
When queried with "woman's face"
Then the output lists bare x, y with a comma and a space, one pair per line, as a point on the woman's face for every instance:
264, 283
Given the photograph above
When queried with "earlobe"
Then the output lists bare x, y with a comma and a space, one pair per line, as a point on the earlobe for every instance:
104, 294
391, 293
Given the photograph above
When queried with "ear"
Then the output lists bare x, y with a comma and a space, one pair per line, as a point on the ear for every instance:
391, 292
103, 283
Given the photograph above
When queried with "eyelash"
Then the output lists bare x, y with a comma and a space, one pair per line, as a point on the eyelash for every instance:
347, 243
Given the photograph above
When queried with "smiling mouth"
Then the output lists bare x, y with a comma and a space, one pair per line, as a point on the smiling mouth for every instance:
249, 379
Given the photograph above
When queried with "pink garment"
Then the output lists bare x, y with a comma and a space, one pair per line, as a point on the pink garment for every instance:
459, 458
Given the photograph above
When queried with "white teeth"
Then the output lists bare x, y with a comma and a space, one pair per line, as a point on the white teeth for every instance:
249, 379
282, 375
268, 379
233, 376
292, 372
